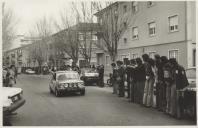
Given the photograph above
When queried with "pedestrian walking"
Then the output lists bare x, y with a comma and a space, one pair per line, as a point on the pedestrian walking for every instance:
148, 89
140, 80
120, 78
114, 75
5, 80
101, 75
11, 76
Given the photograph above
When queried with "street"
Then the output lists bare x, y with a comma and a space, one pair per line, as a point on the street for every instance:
99, 107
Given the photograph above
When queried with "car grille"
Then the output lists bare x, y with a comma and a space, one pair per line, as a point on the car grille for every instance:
73, 85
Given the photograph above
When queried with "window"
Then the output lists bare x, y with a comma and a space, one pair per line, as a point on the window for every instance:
100, 20
173, 23
125, 56
13, 55
94, 37
134, 7
116, 12
19, 52
150, 3
173, 54
125, 40
134, 55
81, 36
152, 27
152, 54
107, 60
135, 32
125, 25
194, 57
125, 8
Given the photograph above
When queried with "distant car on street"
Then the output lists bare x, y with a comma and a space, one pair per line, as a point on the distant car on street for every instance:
63, 82
89, 76
29, 71
12, 100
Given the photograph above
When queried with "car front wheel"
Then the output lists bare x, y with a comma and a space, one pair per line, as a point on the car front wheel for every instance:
57, 94
82, 92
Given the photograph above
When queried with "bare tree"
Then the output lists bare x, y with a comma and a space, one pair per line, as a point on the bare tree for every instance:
66, 40
9, 22
84, 13
112, 28
38, 51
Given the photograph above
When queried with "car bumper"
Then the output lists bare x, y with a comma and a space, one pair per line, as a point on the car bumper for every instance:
67, 90
91, 79
14, 106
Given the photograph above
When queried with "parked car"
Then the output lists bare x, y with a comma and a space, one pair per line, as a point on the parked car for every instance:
191, 76
89, 76
12, 100
187, 95
29, 71
63, 82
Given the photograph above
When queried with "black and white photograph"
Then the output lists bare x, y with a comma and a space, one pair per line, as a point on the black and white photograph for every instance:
98, 63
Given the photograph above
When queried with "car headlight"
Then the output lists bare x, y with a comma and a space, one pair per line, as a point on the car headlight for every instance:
61, 86
66, 85
81, 85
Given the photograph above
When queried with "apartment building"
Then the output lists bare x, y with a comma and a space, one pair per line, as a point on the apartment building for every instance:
19, 53
167, 28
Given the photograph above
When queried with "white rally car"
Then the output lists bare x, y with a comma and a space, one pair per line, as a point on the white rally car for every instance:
12, 98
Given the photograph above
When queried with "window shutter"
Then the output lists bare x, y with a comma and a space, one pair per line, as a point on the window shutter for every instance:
173, 20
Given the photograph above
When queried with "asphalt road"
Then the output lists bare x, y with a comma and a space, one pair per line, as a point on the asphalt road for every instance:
97, 108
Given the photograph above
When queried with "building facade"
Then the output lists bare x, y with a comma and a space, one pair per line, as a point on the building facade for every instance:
19, 55
167, 28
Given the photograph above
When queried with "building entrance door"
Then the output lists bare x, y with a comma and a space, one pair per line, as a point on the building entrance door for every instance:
100, 58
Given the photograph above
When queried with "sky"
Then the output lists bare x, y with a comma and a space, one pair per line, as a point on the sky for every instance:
28, 12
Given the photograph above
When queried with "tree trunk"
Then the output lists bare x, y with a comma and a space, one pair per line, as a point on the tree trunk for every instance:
74, 61
114, 58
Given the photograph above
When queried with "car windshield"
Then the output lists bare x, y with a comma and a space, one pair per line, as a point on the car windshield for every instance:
89, 70
191, 73
68, 76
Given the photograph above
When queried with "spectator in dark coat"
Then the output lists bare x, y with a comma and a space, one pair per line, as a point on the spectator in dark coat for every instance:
133, 79
128, 77
147, 98
159, 72
163, 102
140, 80
101, 75
180, 81
114, 75
120, 78
169, 81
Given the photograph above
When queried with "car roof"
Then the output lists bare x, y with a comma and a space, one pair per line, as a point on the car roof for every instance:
193, 68
63, 72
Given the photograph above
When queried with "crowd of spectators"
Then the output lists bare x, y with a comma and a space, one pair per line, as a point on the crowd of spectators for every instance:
150, 82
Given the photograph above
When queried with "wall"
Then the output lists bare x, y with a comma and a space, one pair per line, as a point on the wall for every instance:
159, 13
